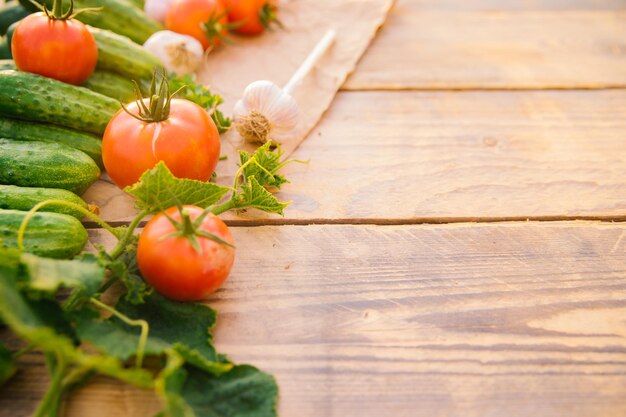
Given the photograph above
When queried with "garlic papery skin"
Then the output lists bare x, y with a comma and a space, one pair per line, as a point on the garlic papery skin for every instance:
157, 9
265, 112
180, 54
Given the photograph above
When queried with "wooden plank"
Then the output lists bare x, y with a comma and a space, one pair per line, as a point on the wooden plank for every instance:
508, 5
467, 320
424, 156
419, 48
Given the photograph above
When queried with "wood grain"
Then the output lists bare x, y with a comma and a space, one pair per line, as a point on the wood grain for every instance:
508, 5
439, 156
468, 320
421, 47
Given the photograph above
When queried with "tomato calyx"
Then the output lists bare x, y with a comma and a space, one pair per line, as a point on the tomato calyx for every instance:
57, 10
214, 29
190, 229
159, 104
269, 17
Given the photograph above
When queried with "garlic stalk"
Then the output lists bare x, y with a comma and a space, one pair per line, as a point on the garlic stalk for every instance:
267, 112
180, 54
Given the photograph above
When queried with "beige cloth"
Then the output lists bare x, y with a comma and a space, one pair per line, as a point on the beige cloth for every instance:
275, 56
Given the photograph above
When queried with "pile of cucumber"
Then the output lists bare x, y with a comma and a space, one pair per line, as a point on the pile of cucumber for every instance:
50, 132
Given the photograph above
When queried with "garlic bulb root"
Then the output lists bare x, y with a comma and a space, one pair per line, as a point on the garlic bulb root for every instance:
254, 127
265, 112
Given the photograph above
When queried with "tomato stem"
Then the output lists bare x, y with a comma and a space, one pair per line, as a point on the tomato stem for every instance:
159, 101
268, 16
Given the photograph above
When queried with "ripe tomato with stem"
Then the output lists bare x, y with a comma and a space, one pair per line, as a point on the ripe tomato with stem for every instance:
55, 45
185, 253
160, 128
252, 17
205, 20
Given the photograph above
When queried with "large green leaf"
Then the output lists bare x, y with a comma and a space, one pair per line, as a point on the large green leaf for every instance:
17, 312
243, 392
182, 327
159, 190
7, 366
48, 275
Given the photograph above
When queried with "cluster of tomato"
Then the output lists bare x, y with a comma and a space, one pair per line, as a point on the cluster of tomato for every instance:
209, 21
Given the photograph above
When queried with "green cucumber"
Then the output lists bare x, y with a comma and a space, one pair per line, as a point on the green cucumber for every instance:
11, 13
9, 36
46, 165
111, 85
102, 82
118, 16
5, 50
25, 198
33, 97
52, 235
32, 131
121, 55
137, 3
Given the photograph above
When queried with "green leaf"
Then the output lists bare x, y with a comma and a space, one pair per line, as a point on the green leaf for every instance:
48, 275
7, 366
168, 386
181, 327
25, 322
243, 392
202, 96
267, 165
254, 195
159, 190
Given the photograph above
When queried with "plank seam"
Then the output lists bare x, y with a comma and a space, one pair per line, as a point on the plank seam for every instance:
391, 89
398, 222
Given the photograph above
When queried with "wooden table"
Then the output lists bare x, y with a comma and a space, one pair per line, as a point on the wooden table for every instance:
456, 246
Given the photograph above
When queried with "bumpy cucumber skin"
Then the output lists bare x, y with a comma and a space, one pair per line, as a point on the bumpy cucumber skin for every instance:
46, 165
102, 82
24, 198
51, 235
11, 13
111, 85
5, 51
121, 55
42, 132
118, 16
32, 97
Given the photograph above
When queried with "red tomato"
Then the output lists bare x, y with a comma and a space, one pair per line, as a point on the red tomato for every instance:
174, 267
59, 49
187, 141
205, 20
253, 16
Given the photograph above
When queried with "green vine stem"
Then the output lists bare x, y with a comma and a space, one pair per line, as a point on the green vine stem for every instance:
222, 208
53, 394
128, 234
145, 329
39, 206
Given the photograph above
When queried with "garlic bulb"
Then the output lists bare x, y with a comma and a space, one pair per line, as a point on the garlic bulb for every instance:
180, 54
265, 112
157, 9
